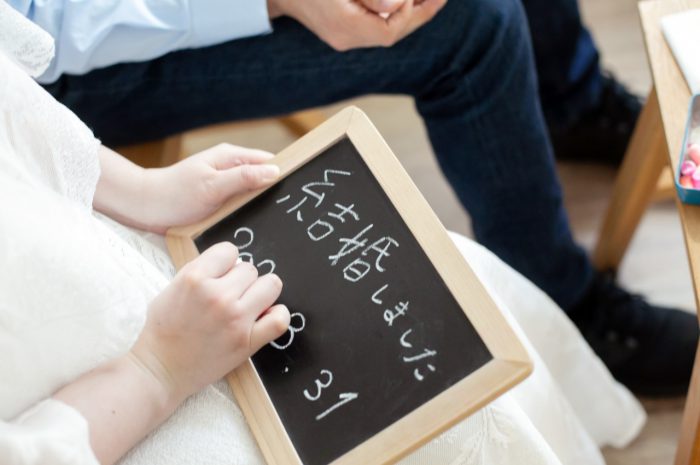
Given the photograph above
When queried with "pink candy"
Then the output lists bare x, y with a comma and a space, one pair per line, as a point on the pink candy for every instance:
688, 168
693, 153
690, 171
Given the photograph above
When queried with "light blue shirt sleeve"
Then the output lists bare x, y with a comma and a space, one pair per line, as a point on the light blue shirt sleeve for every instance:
93, 34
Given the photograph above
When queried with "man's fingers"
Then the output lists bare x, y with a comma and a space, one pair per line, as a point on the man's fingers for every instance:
271, 325
387, 31
214, 262
383, 6
424, 12
225, 156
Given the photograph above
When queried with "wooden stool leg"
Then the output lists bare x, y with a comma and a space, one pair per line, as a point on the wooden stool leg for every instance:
635, 186
688, 452
302, 122
171, 150
154, 154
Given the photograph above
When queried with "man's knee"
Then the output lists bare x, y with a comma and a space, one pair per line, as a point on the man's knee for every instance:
484, 40
487, 18
477, 30
500, 23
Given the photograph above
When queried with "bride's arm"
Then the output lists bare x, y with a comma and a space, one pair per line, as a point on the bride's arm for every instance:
122, 402
215, 310
213, 316
158, 198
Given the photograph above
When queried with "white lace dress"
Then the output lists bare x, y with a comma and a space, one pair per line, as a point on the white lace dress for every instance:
74, 288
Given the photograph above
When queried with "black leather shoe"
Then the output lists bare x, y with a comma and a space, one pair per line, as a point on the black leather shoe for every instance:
647, 348
601, 135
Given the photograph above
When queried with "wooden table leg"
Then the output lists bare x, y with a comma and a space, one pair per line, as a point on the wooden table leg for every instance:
634, 188
688, 452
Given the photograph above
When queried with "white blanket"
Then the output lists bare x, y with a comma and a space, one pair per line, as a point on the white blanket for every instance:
74, 287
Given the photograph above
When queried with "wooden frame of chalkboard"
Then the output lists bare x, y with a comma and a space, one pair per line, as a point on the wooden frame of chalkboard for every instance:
509, 363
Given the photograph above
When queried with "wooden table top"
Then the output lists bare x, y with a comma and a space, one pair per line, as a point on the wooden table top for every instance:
674, 97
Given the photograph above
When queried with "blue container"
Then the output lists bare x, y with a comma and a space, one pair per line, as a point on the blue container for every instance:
691, 196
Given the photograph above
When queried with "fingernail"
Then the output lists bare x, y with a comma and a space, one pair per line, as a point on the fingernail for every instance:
269, 172
387, 4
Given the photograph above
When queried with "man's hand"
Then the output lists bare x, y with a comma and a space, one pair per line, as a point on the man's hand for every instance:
349, 24
385, 7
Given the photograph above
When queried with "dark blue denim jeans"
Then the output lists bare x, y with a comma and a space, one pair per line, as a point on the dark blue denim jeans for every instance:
566, 59
470, 70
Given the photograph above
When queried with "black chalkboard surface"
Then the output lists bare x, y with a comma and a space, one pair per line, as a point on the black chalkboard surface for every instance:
343, 245
376, 332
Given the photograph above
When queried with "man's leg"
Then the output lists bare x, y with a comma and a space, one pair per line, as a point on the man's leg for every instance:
590, 115
474, 83
566, 59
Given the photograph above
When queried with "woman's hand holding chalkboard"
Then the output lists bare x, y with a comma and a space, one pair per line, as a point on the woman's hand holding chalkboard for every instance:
215, 314
190, 190
184, 193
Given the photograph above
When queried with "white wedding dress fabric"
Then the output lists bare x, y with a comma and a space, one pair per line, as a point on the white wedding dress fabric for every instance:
75, 287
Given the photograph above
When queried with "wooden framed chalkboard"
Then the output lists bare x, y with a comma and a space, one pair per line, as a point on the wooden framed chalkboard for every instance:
393, 339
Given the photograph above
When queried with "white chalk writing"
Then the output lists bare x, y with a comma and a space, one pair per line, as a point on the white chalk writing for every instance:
344, 399
292, 330
320, 386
